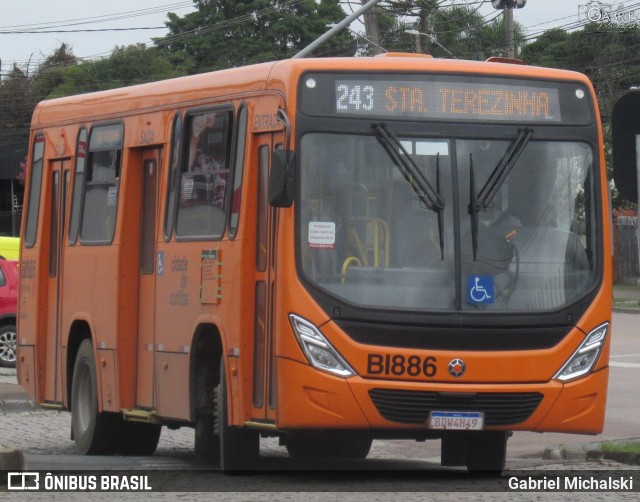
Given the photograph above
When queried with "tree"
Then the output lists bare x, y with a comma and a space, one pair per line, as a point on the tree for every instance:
127, 65
443, 31
225, 33
49, 74
608, 55
465, 33
16, 106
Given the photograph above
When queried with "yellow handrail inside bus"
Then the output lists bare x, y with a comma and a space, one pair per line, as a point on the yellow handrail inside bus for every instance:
347, 263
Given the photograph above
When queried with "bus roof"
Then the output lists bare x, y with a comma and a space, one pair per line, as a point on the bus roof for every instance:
199, 89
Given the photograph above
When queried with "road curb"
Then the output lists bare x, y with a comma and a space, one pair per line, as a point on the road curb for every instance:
624, 310
11, 459
589, 452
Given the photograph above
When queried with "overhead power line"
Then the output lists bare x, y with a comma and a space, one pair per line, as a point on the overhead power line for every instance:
36, 32
99, 19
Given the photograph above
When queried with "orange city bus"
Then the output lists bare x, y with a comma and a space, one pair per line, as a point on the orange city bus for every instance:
325, 250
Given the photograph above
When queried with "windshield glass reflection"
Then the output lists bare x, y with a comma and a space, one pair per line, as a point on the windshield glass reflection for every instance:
372, 235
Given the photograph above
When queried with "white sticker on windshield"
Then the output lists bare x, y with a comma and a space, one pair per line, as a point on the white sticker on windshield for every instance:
322, 234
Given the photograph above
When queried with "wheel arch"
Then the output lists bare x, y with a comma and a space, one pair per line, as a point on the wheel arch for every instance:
79, 331
204, 365
8, 319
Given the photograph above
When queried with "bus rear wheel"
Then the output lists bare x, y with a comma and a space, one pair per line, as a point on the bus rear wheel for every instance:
239, 448
93, 432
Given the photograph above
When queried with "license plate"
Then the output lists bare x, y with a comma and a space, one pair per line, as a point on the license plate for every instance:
456, 420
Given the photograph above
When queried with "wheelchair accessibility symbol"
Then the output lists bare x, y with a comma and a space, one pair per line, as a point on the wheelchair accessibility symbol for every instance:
479, 289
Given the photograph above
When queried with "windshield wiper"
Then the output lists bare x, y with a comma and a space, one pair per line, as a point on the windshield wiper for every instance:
481, 200
473, 207
411, 172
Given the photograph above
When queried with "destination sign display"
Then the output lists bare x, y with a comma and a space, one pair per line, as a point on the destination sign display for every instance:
441, 100
107, 137
438, 97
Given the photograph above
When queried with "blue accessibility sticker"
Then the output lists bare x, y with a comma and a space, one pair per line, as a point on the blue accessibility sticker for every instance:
160, 268
479, 289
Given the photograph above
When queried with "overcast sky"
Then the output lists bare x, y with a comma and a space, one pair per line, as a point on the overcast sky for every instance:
51, 15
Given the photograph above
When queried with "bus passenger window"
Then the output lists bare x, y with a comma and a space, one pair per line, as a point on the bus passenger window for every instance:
78, 185
236, 194
204, 176
34, 191
101, 185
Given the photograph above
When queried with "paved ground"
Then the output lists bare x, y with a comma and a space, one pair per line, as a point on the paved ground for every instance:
44, 436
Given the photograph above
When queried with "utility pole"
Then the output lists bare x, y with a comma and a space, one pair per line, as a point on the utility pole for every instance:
372, 29
508, 39
336, 29
507, 6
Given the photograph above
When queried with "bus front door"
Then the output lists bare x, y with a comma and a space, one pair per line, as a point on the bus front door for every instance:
264, 398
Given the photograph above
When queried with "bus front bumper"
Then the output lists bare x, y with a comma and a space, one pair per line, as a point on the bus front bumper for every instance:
311, 399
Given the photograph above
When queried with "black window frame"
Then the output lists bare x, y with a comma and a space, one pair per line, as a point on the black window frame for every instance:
239, 150
77, 191
170, 213
35, 191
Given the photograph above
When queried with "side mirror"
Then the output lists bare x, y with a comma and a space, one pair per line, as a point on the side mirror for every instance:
282, 179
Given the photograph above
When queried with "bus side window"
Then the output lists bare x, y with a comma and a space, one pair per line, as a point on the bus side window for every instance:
35, 185
174, 175
102, 177
204, 175
236, 194
78, 185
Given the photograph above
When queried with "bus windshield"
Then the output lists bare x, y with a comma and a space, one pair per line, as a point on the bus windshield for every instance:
504, 226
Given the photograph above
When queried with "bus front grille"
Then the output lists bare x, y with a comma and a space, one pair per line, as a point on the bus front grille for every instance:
413, 407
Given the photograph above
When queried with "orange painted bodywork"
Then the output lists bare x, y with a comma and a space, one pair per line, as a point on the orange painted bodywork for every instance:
97, 286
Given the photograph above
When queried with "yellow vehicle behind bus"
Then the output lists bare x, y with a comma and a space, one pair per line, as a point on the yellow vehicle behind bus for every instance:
9, 248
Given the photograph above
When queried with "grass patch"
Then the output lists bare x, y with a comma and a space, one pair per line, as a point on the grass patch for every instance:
609, 447
626, 303
624, 453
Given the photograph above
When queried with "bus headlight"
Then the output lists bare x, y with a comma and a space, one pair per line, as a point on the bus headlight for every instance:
583, 359
317, 348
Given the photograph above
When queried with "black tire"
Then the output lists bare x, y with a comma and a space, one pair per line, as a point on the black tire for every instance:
324, 444
487, 452
138, 438
239, 448
92, 432
8, 346
207, 443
